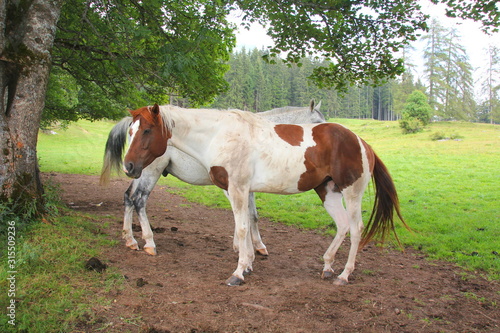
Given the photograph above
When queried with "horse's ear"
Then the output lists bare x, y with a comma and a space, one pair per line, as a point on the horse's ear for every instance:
318, 106
311, 105
155, 110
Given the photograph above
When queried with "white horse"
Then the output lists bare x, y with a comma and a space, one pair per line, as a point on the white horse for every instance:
185, 168
244, 153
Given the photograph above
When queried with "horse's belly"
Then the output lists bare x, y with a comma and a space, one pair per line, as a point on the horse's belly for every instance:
279, 188
282, 177
187, 168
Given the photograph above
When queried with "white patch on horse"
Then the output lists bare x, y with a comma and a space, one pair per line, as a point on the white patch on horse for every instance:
279, 165
134, 128
364, 160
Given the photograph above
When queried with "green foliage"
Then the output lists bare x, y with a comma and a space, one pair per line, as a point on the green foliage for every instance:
110, 56
61, 99
416, 113
350, 34
447, 192
485, 11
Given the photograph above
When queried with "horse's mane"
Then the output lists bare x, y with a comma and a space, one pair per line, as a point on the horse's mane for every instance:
145, 112
283, 110
166, 118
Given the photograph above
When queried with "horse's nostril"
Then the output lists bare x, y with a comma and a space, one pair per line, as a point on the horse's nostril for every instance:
130, 166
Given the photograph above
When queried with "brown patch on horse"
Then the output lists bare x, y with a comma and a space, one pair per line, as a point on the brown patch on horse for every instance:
336, 156
219, 177
322, 190
292, 134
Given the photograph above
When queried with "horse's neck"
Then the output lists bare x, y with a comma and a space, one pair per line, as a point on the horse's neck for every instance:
194, 129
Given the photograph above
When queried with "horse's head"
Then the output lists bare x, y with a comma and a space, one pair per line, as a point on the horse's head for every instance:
148, 140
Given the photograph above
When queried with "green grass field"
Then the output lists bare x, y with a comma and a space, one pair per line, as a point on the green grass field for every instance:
449, 190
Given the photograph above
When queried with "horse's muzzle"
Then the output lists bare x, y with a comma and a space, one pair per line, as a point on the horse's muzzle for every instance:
131, 170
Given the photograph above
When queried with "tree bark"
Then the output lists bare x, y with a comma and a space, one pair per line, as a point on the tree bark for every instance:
27, 34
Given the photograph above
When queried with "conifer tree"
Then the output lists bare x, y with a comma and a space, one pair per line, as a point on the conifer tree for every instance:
490, 86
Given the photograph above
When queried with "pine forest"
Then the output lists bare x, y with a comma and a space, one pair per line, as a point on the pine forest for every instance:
447, 80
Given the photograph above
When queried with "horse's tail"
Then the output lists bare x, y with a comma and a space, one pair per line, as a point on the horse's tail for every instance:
114, 149
386, 202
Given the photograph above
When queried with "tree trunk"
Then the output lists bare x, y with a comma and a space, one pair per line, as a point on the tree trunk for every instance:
26, 37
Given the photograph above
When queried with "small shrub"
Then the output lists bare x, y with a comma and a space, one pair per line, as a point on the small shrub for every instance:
411, 125
438, 136
416, 113
442, 136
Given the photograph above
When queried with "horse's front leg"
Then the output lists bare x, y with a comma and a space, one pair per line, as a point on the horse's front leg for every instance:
334, 207
246, 255
137, 198
127, 233
140, 200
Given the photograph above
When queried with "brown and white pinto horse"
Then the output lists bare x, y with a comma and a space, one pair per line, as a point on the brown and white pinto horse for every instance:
244, 153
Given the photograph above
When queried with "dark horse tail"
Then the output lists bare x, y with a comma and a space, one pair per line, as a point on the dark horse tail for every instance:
114, 149
386, 202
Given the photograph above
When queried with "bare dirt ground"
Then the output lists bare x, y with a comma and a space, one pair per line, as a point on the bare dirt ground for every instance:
182, 288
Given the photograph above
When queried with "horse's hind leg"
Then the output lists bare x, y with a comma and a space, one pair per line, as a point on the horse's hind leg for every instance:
353, 205
334, 207
258, 245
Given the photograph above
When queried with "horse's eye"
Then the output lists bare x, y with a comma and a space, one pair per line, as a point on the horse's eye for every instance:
147, 131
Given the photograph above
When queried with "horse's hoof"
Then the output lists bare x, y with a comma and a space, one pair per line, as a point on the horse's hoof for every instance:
234, 281
133, 247
262, 252
340, 282
150, 250
326, 275
247, 271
